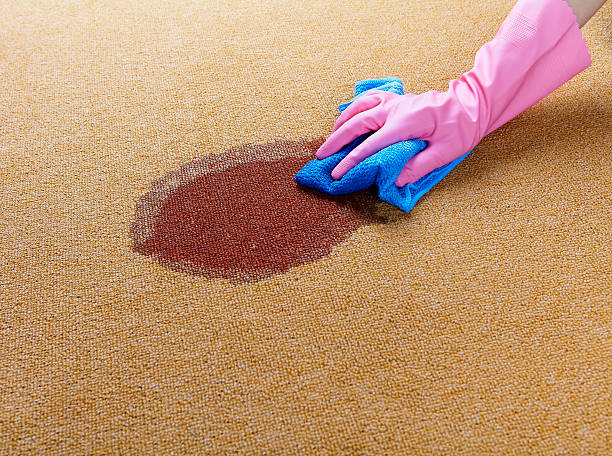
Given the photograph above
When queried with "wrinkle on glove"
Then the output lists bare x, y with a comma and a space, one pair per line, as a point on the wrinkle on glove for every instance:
381, 169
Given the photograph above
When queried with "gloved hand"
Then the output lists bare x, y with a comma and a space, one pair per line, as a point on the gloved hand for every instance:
537, 49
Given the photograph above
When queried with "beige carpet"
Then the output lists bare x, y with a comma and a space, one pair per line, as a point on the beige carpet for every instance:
165, 288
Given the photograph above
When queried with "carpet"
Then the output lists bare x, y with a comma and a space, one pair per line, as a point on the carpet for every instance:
167, 288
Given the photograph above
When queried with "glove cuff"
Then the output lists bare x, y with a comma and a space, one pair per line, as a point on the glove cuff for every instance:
568, 57
537, 23
521, 65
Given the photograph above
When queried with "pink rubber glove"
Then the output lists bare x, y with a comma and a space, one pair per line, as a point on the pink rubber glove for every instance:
538, 48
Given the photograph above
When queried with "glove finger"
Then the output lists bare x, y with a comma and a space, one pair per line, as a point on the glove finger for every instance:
364, 122
371, 145
424, 162
363, 103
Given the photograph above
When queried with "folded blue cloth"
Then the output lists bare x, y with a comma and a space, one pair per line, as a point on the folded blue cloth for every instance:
380, 169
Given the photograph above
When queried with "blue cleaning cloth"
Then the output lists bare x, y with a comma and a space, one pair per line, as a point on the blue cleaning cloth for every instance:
380, 169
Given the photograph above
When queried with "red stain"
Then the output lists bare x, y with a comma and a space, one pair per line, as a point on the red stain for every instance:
240, 215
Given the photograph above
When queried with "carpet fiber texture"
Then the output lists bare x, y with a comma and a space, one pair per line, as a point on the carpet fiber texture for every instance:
167, 288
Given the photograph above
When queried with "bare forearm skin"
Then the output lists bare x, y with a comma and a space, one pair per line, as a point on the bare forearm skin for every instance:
585, 9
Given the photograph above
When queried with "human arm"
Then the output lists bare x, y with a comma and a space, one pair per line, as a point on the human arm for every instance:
585, 9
